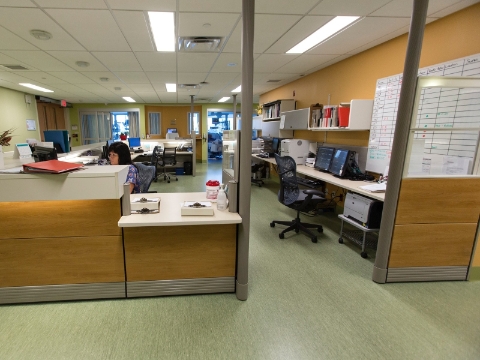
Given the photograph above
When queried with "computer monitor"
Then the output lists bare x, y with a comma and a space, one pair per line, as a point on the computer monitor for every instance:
338, 167
324, 158
172, 130
42, 153
134, 142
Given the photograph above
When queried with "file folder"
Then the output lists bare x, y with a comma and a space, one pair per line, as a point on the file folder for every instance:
50, 167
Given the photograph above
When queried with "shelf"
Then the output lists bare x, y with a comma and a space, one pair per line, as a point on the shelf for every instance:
335, 128
271, 119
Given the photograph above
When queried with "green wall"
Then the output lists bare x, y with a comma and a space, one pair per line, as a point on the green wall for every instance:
13, 115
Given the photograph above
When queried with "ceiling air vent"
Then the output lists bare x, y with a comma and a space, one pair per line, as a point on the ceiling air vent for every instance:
273, 80
189, 87
199, 43
14, 67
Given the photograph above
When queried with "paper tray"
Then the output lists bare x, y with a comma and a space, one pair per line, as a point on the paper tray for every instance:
207, 210
151, 204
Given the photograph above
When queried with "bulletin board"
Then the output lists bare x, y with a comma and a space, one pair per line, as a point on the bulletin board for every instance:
431, 111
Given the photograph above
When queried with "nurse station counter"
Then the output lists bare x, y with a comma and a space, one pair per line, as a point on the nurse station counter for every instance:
63, 237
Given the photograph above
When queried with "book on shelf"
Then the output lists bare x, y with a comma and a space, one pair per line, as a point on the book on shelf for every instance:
51, 167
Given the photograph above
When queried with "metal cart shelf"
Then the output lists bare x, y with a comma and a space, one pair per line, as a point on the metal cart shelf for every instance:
363, 236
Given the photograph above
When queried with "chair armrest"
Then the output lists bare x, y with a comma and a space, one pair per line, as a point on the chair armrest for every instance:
313, 192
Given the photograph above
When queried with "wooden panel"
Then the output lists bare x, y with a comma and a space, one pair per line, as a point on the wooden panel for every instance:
60, 118
34, 219
438, 201
53, 261
180, 252
432, 245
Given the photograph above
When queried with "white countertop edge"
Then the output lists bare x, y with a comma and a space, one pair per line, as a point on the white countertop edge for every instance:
187, 221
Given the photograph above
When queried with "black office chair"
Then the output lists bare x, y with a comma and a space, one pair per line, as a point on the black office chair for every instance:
168, 159
256, 169
301, 200
146, 174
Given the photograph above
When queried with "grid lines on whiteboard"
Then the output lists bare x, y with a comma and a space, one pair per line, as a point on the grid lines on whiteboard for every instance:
439, 108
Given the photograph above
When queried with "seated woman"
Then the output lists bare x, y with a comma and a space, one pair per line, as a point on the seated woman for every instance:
119, 154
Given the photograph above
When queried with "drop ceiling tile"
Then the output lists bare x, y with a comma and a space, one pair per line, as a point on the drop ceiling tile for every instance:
168, 98
359, 34
224, 6
158, 78
85, 4
17, 3
71, 57
347, 7
284, 6
223, 61
74, 89
96, 30
12, 77
133, 77
135, 29
38, 59
96, 75
191, 78
144, 5
271, 62
197, 62
42, 77
452, 8
72, 77
404, 8
304, 63
157, 61
9, 41
191, 24
118, 61
223, 78
7, 60
305, 27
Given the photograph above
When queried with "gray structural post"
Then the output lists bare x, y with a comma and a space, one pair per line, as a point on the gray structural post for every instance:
194, 138
399, 146
248, 16
235, 112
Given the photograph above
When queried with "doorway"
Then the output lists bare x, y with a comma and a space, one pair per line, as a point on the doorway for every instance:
217, 121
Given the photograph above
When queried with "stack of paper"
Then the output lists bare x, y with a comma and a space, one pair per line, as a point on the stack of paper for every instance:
375, 187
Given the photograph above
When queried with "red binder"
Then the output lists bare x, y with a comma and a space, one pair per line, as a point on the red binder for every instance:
50, 167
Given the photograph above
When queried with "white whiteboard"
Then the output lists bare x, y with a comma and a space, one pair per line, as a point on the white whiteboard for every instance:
385, 107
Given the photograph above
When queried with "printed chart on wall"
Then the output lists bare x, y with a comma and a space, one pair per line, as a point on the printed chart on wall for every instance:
436, 108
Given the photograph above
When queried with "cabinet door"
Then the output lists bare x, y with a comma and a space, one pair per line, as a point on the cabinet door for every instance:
60, 118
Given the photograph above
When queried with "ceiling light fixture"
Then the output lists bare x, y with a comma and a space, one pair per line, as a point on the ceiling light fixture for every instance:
128, 98
82, 64
223, 99
171, 87
162, 25
31, 86
40, 34
237, 89
325, 32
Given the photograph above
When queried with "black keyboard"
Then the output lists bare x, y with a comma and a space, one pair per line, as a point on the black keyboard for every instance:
309, 183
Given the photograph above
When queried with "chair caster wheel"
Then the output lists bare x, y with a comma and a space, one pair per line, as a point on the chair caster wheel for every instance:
281, 236
297, 231
320, 229
363, 254
168, 181
340, 240
272, 224
314, 239
176, 179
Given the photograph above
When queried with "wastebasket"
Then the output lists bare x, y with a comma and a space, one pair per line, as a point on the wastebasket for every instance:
187, 167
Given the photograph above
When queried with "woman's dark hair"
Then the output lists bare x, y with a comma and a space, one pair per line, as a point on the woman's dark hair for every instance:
123, 152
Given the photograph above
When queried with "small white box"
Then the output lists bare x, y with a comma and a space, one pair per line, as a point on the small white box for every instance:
205, 208
152, 204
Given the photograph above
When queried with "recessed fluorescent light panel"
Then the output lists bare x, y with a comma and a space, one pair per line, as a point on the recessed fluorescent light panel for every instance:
326, 31
162, 25
171, 87
128, 98
225, 98
31, 86
237, 89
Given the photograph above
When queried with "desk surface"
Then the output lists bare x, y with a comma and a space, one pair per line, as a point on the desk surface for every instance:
329, 178
169, 215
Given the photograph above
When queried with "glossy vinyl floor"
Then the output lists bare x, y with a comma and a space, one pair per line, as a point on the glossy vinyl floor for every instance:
306, 301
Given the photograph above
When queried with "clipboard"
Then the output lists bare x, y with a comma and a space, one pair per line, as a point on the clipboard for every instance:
51, 167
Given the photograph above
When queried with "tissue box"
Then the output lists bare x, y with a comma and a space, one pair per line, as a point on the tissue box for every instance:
151, 204
204, 210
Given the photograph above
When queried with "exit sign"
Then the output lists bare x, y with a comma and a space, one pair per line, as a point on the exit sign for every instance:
63, 103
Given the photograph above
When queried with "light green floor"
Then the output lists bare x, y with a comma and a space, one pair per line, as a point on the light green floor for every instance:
306, 301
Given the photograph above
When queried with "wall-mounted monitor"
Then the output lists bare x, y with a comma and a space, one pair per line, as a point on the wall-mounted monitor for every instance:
324, 158
134, 142
338, 167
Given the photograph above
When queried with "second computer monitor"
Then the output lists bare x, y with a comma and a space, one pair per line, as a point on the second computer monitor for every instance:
338, 167
324, 158
134, 142
172, 130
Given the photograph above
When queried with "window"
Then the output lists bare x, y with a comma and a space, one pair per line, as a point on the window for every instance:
155, 123
96, 127
120, 125
193, 122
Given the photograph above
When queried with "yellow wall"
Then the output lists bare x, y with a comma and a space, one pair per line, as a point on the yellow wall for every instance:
13, 115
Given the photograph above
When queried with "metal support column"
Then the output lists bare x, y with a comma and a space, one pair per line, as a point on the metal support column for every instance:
248, 17
399, 146
194, 139
234, 127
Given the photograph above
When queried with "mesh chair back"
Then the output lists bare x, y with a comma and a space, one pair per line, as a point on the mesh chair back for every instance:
169, 156
146, 174
287, 170
156, 154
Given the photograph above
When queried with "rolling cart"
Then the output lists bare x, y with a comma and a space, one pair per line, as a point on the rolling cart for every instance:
363, 236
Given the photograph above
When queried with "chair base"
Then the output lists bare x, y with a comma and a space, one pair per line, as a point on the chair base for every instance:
166, 177
298, 226
258, 182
